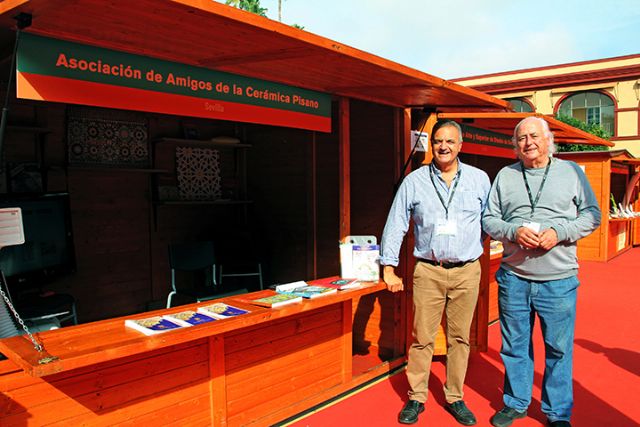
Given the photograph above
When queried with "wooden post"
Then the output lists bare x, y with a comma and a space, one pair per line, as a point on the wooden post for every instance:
428, 128
312, 210
404, 313
217, 381
482, 308
344, 162
347, 341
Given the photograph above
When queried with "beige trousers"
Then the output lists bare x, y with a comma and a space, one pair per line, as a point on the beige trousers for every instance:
436, 289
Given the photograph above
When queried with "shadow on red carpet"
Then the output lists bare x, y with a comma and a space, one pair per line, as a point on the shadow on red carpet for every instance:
606, 366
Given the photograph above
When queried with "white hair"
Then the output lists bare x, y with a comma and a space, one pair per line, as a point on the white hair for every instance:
545, 129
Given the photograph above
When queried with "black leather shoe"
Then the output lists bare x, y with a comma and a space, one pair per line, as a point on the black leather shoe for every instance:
559, 423
410, 412
505, 416
461, 413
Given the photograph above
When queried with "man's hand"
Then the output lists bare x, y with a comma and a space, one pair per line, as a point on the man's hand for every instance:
527, 238
394, 283
548, 239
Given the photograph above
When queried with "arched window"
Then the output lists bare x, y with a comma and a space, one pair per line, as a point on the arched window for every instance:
589, 107
519, 105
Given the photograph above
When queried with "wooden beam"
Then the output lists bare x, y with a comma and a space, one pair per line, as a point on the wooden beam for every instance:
312, 209
266, 55
344, 166
428, 128
217, 381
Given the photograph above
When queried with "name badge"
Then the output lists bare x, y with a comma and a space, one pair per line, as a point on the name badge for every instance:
533, 226
447, 228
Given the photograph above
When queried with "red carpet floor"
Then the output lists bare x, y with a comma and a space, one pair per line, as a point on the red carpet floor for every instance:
606, 365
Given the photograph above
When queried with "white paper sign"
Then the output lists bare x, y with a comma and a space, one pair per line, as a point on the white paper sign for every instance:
420, 138
11, 231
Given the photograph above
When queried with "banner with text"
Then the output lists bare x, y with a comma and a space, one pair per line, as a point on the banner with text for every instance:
60, 71
486, 143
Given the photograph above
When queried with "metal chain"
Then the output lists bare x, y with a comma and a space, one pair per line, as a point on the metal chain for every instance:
36, 344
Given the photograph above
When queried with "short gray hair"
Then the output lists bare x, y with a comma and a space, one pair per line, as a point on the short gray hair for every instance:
545, 129
445, 123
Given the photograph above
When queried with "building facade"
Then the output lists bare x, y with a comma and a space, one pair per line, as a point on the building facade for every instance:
603, 91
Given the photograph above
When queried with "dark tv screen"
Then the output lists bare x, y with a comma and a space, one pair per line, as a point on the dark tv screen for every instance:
48, 248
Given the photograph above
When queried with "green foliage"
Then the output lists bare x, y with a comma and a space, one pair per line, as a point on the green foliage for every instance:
593, 129
252, 6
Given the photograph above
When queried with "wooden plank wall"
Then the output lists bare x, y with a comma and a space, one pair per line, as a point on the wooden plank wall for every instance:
598, 171
493, 289
376, 317
271, 369
157, 388
257, 375
328, 216
111, 242
278, 182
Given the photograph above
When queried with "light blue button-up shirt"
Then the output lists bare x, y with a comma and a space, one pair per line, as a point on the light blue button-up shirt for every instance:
417, 199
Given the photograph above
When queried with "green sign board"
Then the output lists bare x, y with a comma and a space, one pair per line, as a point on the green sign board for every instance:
60, 71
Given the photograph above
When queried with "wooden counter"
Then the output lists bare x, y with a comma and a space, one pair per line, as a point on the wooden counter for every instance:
494, 265
255, 369
635, 241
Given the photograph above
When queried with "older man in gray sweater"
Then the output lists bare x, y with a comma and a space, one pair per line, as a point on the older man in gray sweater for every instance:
539, 208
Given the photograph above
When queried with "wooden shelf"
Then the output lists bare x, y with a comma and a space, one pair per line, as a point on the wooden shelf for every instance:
202, 143
201, 202
28, 129
105, 168
619, 219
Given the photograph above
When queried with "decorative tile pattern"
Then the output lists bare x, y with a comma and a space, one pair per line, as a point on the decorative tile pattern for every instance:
94, 141
198, 171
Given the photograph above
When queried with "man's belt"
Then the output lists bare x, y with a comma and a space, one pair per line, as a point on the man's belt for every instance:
446, 264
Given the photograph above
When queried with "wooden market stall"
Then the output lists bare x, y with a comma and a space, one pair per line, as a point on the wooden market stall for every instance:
288, 182
609, 173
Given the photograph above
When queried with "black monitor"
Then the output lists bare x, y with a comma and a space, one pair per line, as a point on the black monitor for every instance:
48, 251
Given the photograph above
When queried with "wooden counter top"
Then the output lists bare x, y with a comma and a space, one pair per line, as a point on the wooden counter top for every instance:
621, 219
102, 341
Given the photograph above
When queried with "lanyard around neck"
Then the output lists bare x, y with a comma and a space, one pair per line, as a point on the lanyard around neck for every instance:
451, 193
534, 203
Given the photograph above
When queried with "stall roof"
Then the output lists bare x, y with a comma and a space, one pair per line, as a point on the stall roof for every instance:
505, 123
215, 36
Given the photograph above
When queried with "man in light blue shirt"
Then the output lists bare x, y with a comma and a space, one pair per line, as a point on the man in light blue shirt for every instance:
445, 200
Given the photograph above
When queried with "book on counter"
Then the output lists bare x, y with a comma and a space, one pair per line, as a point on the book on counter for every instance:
152, 325
366, 262
304, 290
221, 310
276, 300
340, 284
189, 318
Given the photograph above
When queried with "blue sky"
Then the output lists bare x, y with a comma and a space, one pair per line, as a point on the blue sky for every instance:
457, 38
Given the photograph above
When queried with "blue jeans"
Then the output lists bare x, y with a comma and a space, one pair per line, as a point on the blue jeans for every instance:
555, 303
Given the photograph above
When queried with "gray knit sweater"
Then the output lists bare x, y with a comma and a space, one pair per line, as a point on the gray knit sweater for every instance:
567, 204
